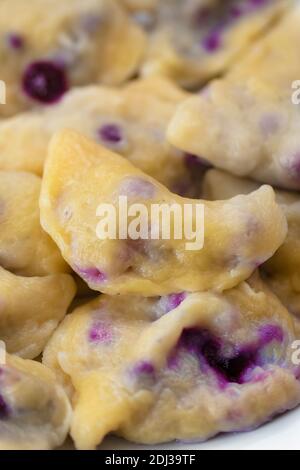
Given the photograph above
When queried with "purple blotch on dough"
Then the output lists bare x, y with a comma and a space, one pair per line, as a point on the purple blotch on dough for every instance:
91, 274
292, 165
111, 133
45, 82
269, 333
208, 347
99, 333
174, 300
235, 12
4, 408
173, 360
137, 187
212, 42
144, 368
229, 368
15, 41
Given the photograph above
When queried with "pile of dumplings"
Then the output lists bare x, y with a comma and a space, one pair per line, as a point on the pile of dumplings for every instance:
180, 101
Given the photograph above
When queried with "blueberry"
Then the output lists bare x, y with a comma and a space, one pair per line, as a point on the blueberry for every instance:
111, 133
45, 82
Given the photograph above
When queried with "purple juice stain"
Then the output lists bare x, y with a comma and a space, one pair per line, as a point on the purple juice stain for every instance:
222, 19
144, 368
15, 41
269, 124
230, 368
208, 347
269, 333
235, 12
4, 408
174, 300
194, 163
91, 274
45, 82
111, 133
173, 361
99, 333
212, 42
137, 187
292, 166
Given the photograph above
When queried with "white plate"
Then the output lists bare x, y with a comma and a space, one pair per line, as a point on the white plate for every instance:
283, 433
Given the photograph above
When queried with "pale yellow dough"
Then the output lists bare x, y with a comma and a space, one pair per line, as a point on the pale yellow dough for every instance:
80, 175
35, 411
93, 39
25, 248
182, 344
246, 123
141, 110
156, 391
192, 41
30, 310
282, 271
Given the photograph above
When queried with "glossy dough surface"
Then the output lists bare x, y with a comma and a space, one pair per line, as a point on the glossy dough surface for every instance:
232, 250
131, 121
247, 123
281, 271
24, 246
192, 41
150, 152
51, 45
198, 364
30, 310
35, 412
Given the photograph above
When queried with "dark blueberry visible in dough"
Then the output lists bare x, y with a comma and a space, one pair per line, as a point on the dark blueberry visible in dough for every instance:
231, 367
111, 133
15, 41
212, 42
45, 82
144, 367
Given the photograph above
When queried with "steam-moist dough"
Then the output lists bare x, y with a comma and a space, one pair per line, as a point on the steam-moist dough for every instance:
282, 270
35, 413
246, 123
80, 176
81, 41
30, 310
212, 363
191, 41
25, 248
131, 120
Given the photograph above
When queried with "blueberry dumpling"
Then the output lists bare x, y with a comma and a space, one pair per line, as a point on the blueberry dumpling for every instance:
80, 176
49, 46
246, 123
198, 364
